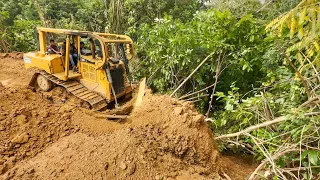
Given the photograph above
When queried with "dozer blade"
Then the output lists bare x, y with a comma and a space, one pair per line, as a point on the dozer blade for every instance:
96, 101
142, 87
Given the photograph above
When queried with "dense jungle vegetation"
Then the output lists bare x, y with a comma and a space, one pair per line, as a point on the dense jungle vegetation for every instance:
257, 80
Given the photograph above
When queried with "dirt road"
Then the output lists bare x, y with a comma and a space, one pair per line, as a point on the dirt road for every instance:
49, 136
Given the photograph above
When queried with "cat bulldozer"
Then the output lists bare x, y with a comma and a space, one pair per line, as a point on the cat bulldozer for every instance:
101, 74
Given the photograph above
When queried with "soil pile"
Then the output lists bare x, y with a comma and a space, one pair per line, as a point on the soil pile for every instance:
49, 136
162, 139
12, 71
27, 125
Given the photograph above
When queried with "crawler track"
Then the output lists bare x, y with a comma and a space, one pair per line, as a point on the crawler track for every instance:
95, 100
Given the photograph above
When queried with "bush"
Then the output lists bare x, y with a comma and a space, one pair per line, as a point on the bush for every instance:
170, 50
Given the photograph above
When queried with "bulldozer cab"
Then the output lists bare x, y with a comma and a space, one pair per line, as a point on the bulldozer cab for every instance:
102, 68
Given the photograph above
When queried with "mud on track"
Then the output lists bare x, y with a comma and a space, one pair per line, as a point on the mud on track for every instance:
48, 136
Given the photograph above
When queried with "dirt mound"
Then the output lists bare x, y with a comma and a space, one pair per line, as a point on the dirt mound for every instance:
162, 139
12, 71
13, 55
27, 125
175, 127
50, 136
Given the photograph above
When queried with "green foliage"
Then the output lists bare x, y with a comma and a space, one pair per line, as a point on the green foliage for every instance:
115, 16
172, 49
22, 9
3, 32
239, 8
240, 112
59, 9
19, 36
141, 12
276, 8
264, 12
75, 14
282, 99
146, 11
23, 35
300, 25
92, 16
172, 38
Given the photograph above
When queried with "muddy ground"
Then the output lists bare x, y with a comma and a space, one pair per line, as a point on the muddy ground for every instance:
50, 136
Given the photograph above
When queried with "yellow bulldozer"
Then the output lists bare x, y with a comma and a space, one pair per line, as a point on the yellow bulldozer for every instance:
100, 76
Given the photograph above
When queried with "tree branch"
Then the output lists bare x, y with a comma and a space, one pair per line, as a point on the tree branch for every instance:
295, 69
261, 125
190, 94
218, 73
311, 100
274, 157
195, 70
196, 97
40, 12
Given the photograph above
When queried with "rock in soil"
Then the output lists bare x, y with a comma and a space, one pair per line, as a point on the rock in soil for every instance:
21, 138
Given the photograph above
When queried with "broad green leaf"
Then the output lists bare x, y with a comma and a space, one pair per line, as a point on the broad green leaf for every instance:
229, 107
313, 157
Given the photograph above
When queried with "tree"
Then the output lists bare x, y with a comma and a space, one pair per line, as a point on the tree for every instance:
146, 11
264, 12
117, 17
4, 45
239, 8
289, 97
301, 25
171, 50
93, 16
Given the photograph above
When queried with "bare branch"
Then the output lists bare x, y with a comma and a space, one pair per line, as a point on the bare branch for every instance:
195, 70
274, 157
311, 100
314, 68
190, 94
218, 73
295, 69
196, 97
261, 125
301, 168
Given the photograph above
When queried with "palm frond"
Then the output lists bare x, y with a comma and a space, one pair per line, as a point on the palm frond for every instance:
303, 25
302, 17
293, 27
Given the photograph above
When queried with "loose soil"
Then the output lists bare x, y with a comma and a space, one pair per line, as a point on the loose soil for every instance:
50, 136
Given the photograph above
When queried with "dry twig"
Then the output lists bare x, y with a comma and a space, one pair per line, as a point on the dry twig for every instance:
195, 70
311, 100
274, 157
218, 73
261, 125
190, 94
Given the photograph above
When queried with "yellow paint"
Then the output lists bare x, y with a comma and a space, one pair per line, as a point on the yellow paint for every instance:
71, 75
42, 41
52, 63
91, 74
67, 58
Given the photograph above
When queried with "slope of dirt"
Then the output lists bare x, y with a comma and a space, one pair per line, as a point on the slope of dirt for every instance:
12, 71
28, 124
49, 136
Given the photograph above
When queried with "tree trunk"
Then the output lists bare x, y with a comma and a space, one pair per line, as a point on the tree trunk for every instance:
40, 12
